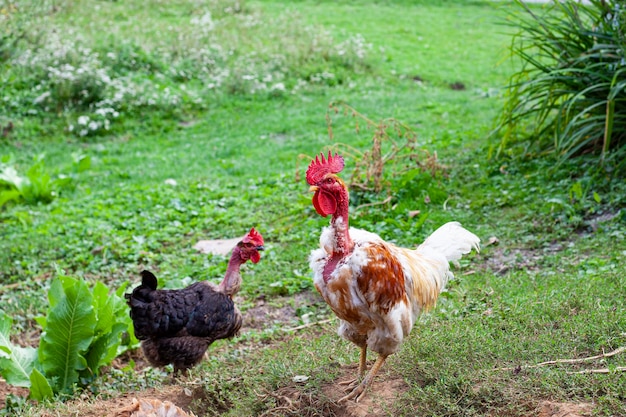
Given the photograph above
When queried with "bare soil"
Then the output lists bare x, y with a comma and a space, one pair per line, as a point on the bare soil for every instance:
118, 407
294, 400
6, 390
555, 409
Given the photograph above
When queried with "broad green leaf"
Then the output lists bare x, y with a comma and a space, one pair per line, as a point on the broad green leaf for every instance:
111, 320
131, 341
81, 162
102, 351
597, 197
56, 292
9, 176
121, 290
103, 305
69, 331
40, 388
16, 362
8, 195
41, 320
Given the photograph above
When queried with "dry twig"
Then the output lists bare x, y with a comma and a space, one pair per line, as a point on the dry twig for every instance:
376, 203
9, 287
305, 326
599, 371
577, 360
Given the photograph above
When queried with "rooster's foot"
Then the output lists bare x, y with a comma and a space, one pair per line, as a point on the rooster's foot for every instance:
356, 394
351, 383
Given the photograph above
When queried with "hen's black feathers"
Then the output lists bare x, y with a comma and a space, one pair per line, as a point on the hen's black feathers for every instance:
197, 310
177, 326
148, 280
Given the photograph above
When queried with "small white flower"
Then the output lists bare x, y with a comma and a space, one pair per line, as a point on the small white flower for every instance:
41, 97
171, 181
83, 120
93, 125
278, 87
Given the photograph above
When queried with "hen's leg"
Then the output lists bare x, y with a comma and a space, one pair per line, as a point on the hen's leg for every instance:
358, 392
362, 366
174, 376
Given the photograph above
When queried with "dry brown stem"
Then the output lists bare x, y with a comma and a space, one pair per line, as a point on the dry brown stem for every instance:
599, 371
376, 203
306, 326
9, 287
577, 360
393, 143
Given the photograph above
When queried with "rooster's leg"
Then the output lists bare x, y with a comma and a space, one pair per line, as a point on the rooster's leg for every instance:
362, 362
358, 392
362, 365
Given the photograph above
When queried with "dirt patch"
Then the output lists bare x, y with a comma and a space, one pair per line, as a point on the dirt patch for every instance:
217, 246
295, 400
6, 390
119, 406
555, 409
502, 260
279, 312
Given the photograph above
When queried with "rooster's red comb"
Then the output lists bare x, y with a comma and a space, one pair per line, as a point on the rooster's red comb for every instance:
254, 237
318, 169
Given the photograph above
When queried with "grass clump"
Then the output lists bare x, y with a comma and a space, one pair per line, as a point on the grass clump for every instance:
572, 83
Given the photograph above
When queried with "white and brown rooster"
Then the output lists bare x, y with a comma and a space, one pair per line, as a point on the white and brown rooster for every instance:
376, 288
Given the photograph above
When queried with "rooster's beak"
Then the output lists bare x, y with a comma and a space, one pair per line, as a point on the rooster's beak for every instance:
260, 247
314, 188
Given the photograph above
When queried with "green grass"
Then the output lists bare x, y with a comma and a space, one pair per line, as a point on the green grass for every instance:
235, 157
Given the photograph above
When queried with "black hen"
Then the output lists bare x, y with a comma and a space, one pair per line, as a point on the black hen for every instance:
177, 326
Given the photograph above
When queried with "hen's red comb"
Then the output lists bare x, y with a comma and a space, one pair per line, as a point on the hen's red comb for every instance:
318, 169
254, 237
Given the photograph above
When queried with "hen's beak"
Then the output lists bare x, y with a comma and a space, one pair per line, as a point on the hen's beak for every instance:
314, 188
260, 247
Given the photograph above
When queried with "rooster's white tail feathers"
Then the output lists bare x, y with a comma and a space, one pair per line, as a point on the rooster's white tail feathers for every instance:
452, 241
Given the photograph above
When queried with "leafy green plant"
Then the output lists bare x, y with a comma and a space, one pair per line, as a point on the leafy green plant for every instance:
37, 186
572, 84
16, 362
81, 333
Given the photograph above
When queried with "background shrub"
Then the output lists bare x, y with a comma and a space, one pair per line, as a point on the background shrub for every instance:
569, 96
